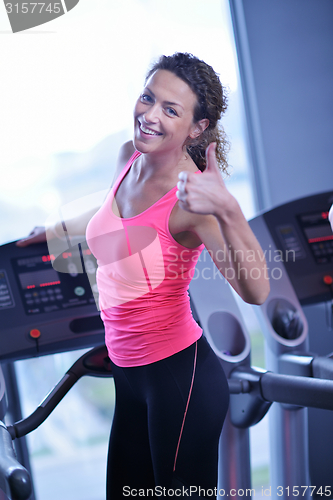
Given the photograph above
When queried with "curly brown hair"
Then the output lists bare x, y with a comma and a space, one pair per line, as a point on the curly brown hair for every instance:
211, 104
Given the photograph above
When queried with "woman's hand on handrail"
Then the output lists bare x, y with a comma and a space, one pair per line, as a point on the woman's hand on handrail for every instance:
37, 235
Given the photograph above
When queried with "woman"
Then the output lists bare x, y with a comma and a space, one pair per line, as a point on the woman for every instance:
168, 202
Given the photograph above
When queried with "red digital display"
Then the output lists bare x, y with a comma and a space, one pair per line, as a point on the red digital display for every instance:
47, 277
319, 235
320, 238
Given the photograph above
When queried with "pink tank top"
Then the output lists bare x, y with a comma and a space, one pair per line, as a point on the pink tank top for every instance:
143, 277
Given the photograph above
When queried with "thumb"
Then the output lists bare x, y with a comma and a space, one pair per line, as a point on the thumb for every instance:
211, 162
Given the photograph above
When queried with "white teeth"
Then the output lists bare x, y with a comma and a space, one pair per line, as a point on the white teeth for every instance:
147, 131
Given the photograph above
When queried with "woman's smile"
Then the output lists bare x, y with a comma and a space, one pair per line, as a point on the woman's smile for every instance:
148, 131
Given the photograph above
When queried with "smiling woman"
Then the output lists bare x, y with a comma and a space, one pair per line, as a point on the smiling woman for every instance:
94, 103
149, 330
167, 420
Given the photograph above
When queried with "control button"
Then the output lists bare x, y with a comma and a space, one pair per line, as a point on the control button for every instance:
90, 267
51, 308
72, 269
327, 279
34, 333
79, 290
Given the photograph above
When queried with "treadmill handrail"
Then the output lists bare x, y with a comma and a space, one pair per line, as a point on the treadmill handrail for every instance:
288, 389
15, 480
94, 363
295, 390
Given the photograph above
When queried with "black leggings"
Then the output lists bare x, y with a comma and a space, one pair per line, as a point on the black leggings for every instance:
155, 441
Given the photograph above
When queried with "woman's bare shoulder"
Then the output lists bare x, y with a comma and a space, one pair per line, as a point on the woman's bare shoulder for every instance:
125, 152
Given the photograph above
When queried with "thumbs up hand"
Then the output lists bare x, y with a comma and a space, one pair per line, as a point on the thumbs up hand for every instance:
224, 228
203, 193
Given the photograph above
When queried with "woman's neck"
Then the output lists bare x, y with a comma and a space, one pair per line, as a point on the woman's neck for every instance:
163, 165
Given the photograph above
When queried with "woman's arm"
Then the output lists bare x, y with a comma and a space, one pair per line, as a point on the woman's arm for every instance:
222, 227
76, 226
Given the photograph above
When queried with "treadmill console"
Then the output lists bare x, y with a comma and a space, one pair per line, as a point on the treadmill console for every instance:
318, 234
43, 311
301, 236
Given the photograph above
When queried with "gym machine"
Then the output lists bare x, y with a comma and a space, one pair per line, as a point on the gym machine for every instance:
296, 321
45, 311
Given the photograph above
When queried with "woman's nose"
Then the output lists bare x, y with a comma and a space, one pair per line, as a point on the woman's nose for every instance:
151, 116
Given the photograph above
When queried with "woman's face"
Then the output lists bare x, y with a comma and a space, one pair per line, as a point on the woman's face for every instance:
163, 114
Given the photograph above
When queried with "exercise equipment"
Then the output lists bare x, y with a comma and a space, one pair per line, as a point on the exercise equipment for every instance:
15, 480
296, 321
252, 392
43, 311
70, 320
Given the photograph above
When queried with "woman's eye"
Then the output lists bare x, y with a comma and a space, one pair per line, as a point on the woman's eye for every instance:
171, 111
145, 98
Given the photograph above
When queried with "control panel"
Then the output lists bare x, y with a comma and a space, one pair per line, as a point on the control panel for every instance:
42, 310
302, 239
